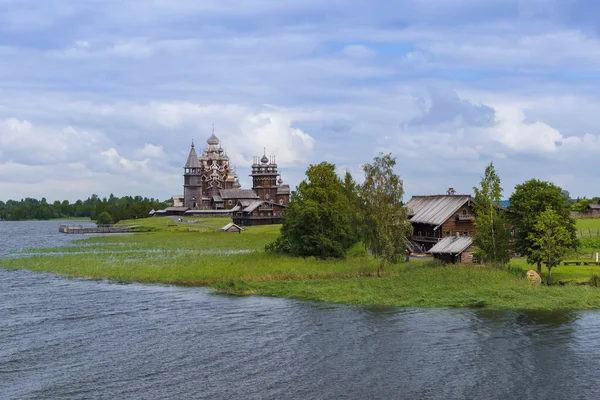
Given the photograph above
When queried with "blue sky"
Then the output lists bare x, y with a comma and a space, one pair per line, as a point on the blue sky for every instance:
105, 96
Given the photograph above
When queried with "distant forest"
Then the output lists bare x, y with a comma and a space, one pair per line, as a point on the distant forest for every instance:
119, 208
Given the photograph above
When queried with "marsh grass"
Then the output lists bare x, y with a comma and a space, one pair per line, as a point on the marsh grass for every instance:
237, 264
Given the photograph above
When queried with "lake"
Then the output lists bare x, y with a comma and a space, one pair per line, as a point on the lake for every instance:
81, 339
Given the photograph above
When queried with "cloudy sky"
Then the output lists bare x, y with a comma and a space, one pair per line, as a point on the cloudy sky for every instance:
105, 96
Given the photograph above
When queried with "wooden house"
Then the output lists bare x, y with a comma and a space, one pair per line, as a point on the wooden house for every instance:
439, 216
594, 208
258, 212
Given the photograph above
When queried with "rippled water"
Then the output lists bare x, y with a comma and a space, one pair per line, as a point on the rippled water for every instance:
81, 339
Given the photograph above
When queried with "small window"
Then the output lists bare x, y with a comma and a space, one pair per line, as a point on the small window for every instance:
230, 202
281, 201
464, 211
465, 233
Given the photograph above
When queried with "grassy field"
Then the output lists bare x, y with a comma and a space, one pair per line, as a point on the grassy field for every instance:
196, 253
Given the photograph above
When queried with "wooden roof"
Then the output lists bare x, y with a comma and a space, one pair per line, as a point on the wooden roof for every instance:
452, 245
238, 194
435, 210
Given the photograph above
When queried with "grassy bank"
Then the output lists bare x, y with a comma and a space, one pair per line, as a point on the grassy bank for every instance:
196, 253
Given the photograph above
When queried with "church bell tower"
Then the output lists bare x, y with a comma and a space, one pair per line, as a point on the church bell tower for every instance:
192, 181
264, 177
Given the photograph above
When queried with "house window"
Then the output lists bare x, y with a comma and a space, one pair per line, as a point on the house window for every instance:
464, 211
229, 202
262, 214
475, 259
281, 201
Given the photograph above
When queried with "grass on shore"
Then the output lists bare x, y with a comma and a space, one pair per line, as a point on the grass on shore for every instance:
236, 264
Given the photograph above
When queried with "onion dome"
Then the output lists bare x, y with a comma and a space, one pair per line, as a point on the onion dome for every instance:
280, 181
213, 140
264, 159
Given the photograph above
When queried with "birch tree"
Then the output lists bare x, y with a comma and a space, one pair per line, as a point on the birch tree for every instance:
385, 227
492, 237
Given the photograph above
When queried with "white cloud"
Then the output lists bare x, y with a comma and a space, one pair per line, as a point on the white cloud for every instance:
513, 132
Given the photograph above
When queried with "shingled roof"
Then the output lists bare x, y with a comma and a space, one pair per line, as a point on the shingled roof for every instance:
192, 161
452, 245
435, 210
238, 194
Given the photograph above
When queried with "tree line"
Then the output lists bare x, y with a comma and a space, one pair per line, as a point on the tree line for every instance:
119, 208
327, 215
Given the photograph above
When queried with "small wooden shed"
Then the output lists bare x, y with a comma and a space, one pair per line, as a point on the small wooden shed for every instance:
231, 227
454, 249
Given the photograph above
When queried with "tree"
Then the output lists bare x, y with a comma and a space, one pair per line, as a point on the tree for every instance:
104, 219
350, 189
528, 201
550, 240
317, 221
385, 226
492, 236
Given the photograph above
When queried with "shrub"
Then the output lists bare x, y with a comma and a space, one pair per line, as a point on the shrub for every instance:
594, 280
104, 219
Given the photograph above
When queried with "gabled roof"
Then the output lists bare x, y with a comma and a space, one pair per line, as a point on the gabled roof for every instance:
452, 245
238, 194
231, 225
192, 161
254, 205
594, 206
217, 199
435, 210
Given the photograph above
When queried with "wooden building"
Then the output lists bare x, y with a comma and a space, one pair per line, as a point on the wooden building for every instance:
211, 187
231, 227
454, 249
258, 212
594, 208
439, 216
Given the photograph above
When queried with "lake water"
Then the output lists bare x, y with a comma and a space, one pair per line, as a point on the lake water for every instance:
80, 339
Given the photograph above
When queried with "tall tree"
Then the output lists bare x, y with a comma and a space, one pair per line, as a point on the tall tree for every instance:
528, 201
317, 221
385, 226
550, 239
492, 238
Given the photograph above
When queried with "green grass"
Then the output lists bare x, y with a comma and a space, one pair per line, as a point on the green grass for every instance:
237, 264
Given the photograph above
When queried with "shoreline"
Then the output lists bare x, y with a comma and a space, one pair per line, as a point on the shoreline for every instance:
237, 265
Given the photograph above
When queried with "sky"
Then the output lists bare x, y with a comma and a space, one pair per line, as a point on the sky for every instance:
106, 96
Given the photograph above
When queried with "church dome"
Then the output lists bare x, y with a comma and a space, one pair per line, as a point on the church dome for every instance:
213, 140
264, 159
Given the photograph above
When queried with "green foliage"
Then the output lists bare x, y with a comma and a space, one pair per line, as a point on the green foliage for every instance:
317, 222
385, 226
492, 238
528, 201
581, 206
104, 219
594, 280
550, 240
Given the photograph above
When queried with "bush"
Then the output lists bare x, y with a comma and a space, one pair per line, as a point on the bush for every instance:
594, 280
104, 219
516, 271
